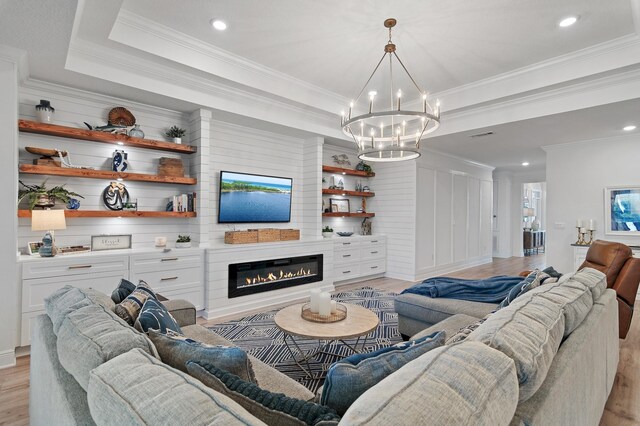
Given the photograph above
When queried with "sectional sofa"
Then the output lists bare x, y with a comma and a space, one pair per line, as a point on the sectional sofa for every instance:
548, 358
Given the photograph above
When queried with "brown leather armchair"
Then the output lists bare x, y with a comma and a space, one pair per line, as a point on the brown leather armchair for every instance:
623, 275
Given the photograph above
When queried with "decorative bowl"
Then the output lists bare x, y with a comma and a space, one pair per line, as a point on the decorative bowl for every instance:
345, 234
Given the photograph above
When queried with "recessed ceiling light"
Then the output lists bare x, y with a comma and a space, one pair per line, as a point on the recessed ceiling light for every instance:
568, 21
526, 163
218, 24
629, 128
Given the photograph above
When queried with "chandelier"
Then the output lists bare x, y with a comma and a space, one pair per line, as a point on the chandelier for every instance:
390, 133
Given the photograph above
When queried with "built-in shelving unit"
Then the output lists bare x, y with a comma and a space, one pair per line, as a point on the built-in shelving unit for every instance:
28, 126
104, 174
115, 213
348, 193
344, 214
350, 172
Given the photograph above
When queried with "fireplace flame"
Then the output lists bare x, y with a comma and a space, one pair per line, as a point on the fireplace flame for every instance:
279, 275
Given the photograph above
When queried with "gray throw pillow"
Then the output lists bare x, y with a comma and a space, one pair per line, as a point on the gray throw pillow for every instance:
175, 350
351, 377
271, 408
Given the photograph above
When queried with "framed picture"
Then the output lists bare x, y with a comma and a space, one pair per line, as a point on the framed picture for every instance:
110, 242
334, 208
33, 248
343, 205
622, 210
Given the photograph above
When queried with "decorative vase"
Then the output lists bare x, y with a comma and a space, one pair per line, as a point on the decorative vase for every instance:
183, 245
119, 161
535, 225
327, 234
44, 111
45, 201
73, 204
177, 140
136, 132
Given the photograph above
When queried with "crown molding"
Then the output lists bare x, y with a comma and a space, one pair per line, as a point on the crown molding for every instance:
18, 57
635, 13
456, 158
144, 34
632, 137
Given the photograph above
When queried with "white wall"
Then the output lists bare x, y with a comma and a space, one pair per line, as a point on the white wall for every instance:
577, 174
73, 107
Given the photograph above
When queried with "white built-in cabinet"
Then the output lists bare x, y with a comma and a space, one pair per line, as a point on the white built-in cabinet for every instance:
177, 274
359, 257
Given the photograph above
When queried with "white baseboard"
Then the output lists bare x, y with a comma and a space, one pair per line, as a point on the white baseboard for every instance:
7, 359
357, 280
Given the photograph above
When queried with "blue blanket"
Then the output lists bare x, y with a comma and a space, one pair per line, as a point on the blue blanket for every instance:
490, 290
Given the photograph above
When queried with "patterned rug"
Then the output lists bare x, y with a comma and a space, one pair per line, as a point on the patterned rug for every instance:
259, 336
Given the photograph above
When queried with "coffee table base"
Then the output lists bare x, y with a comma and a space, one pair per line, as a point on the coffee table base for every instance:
304, 358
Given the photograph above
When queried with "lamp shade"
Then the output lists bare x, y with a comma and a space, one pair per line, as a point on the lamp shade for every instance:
47, 220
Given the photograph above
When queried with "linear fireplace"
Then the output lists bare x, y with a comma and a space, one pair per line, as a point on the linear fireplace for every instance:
266, 275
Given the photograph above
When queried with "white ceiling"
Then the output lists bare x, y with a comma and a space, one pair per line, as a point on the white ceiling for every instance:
335, 44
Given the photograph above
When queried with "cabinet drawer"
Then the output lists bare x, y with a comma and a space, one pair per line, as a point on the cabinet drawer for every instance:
60, 266
346, 245
165, 262
346, 272
34, 291
373, 253
347, 255
163, 281
373, 267
194, 295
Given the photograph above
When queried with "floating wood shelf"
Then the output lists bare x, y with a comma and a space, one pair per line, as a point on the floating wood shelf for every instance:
110, 213
349, 193
348, 214
104, 174
351, 172
28, 126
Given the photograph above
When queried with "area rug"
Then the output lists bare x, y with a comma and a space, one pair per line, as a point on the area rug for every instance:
258, 335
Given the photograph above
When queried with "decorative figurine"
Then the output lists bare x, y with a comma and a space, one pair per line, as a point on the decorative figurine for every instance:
341, 160
365, 227
120, 162
364, 204
115, 196
73, 204
44, 111
46, 250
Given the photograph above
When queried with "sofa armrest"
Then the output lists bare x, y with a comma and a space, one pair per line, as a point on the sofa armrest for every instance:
183, 311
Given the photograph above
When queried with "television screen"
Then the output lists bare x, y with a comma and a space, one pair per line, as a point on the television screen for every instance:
248, 198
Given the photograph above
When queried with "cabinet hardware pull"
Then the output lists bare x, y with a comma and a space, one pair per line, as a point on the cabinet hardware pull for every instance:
346, 272
346, 255
167, 259
346, 244
374, 267
374, 241
80, 266
168, 279
374, 252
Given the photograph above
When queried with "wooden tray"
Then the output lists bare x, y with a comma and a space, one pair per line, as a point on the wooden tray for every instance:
338, 315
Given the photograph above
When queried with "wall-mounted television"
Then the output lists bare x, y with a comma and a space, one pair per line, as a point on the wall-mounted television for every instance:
249, 198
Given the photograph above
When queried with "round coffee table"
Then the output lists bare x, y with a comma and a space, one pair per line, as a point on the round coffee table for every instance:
358, 324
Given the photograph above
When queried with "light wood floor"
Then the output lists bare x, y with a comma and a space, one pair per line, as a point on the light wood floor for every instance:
623, 406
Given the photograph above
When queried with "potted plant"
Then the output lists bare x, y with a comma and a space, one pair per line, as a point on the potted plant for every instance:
327, 232
40, 196
183, 241
175, 133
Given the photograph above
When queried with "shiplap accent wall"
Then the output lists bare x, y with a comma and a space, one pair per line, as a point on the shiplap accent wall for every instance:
73, 107
246, 150
312, 187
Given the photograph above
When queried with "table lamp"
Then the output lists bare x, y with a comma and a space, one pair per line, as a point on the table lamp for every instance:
50, 221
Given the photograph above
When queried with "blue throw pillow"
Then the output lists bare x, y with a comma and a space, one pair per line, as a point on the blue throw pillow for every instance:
351, 377
532, 281
271, 408
124, 289
175, 350
154, 315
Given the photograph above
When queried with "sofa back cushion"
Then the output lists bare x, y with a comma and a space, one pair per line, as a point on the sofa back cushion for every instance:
136, 388
92, 335
464, 384
68, 299
529, 331
593, 279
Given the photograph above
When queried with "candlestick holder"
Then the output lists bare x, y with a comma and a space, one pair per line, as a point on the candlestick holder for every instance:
591, 232
581, 241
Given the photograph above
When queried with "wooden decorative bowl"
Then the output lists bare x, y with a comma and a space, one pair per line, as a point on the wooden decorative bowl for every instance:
44, 151
121, 116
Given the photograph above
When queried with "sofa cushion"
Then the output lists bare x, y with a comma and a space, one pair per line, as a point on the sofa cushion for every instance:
176, 350
450, 326
593, 279
271, 408
154, 315
351, 377
432, 311
124, 289
532, 281
464, 384
92, 335
130, 307
529, 331
68, 299
135, 388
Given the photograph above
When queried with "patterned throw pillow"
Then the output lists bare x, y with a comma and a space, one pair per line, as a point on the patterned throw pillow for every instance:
130, 307
532, 281
154, 316
124, 289
349, 378
175, 350
271, 408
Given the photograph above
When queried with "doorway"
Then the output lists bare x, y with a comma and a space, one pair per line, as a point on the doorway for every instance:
534, 197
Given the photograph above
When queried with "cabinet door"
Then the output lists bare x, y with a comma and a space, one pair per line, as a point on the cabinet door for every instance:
460, 206
486, 196
443, 218
473, 236
425, 219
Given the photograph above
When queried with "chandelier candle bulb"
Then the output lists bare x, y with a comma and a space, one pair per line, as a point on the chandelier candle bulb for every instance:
399, 96
314, 300
424, 103
324, 305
